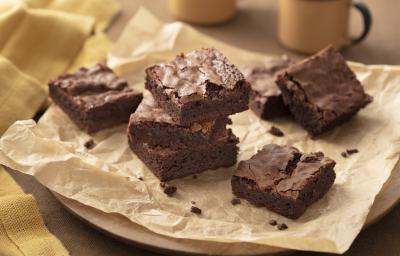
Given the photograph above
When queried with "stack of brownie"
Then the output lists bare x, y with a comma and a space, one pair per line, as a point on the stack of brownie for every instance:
179, 129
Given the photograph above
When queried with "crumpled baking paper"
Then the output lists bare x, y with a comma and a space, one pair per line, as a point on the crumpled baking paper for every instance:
107, 176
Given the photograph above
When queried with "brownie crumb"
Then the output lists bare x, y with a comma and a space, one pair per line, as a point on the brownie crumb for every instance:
276, 131
282, 226
195, 210
162, 184
140, 178
235, 201
273, 222
192, 202
351, 151
195, 176
170, 190
89, 144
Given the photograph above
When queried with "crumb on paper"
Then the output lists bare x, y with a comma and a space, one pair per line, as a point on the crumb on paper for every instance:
273, 222
235, 201
352, 151
276, 131
89, 144
282, 226
170, 190
195, 210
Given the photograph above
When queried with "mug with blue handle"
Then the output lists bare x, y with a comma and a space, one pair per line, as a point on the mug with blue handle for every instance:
309, 25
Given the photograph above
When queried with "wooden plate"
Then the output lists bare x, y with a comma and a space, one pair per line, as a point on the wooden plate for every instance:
119, 227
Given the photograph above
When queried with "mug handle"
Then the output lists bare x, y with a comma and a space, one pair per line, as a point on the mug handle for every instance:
367, 18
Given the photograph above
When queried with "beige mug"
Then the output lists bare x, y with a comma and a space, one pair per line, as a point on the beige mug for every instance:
204, 12
309, 25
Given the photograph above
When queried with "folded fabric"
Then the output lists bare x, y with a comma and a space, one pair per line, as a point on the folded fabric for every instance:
36, 45
42, 43
39, 45
102, 10
22, 231
20, 95
93, 51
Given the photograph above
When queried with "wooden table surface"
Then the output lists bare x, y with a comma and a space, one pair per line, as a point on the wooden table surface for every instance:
253, 28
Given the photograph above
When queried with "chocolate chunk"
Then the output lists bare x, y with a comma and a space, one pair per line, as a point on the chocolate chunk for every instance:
170, 190
89, 144
195, 210
192, 202
344, 154
276, 131
352, 151
273, 222
162, 184
140, 178
282, 226
235, 201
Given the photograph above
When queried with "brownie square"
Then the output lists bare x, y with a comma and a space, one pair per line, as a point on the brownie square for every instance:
153, 125
198, 86
266, 99
168, 163
283, 179
322, 92
94, 98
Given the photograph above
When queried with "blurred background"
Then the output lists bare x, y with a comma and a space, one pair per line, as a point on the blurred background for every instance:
254, 27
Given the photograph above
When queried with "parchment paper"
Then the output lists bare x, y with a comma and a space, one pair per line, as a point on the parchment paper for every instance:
106, 177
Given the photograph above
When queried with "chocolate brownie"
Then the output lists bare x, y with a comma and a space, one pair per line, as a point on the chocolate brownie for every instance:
322, 92
168, 164
283, 179
152, 125
265, 98
94, 98
198, 86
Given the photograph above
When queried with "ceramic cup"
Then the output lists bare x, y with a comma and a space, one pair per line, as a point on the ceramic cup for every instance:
205, 12
309, 25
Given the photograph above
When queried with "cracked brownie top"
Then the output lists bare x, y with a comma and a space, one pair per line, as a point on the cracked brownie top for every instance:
283, 169
196, 73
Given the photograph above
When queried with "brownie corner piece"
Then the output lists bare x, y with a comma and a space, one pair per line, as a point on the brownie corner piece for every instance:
322, 92
201, 85
94, 98
283, 179
265, 98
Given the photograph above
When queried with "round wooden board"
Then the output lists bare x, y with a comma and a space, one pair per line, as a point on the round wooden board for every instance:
121, 228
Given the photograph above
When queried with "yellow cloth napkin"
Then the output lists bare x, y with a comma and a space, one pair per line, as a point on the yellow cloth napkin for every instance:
20, 95
42, 43
22, 231
40, 39
102, 10
94, 50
